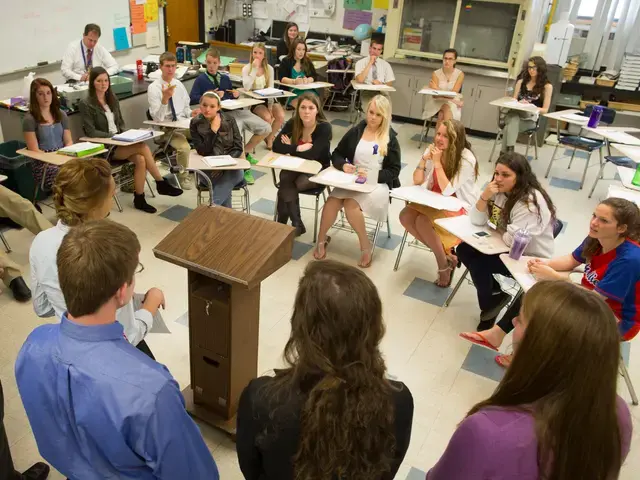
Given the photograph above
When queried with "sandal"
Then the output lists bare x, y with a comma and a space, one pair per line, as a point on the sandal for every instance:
482, 342
451, 266
368, 264
504, 360
325, 244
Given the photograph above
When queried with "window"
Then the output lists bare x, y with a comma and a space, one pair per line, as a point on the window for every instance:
587, 9
482, 30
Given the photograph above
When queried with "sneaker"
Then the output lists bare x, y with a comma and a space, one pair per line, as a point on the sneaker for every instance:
165, 188
248, 177
251, 159
186, 181
140, 203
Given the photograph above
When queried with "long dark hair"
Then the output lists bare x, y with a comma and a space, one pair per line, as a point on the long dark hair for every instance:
337, 371
541, 75
109, 96
307, 65
457, 143
285, 37
564, 372
626, 213
525, 188
34, 107
296, 134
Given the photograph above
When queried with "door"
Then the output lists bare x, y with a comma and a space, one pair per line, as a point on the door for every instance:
183, 22
485, 117
401, 99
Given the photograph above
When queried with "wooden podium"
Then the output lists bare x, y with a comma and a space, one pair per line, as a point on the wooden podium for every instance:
228, 254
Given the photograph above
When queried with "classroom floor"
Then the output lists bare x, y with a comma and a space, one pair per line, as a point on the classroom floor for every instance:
445, 374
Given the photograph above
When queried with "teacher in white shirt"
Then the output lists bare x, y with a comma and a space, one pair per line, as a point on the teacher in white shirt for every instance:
83, 54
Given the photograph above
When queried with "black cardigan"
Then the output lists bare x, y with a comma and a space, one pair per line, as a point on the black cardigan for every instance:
281, 49
94, 118
321, 139
268, 431
227, 141
346, 149
286, 66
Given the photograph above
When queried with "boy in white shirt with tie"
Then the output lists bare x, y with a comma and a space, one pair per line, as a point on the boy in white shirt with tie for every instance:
373, 70
168, 102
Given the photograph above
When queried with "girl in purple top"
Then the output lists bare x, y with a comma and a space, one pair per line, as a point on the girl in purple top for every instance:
555, 414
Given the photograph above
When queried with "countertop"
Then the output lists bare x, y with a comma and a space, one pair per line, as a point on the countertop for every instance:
435, 64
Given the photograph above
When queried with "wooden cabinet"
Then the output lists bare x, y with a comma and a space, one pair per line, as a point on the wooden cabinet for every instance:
406, 101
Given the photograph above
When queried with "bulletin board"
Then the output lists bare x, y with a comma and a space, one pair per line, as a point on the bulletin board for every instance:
145, 22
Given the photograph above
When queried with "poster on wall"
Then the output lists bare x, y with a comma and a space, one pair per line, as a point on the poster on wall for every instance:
357, 4
321, 8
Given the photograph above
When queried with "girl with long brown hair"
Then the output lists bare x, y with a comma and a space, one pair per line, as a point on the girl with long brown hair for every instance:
45, 128
307, 135
332, 413
449, 167
297, 68
256, 75
555, 415
291, 32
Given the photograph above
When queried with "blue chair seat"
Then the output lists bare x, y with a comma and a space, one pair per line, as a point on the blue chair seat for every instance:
621, 161
583, 143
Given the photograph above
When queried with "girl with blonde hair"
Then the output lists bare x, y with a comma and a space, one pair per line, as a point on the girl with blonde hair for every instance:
370, 149
256, 75
449, 167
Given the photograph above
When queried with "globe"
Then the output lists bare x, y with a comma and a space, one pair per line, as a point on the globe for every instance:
362, 32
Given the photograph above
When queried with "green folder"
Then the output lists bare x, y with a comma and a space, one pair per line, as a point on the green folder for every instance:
81, 149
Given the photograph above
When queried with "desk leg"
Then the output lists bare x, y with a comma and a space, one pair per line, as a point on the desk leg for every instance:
352, 114
40, 186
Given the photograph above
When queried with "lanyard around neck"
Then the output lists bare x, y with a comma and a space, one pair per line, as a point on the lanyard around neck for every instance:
84, 58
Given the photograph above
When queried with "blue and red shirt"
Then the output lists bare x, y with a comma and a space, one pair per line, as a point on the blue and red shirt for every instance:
616, 276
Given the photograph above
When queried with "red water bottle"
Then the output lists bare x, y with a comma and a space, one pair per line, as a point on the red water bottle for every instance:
139, 68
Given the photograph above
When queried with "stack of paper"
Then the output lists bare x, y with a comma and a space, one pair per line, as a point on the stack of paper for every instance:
81, 149
440, 93
220, 161
269, 92
336, 176
232, 104
287, 162
629, 73
133, 135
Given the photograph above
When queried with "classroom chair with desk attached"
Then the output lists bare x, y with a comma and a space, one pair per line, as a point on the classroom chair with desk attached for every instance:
240, 203
584, 144
557, 229
530, 133
618, 161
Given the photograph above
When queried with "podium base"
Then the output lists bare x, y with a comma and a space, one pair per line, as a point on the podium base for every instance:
207, 416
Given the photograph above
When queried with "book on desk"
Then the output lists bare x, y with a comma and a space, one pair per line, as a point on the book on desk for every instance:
81, 149
133, 135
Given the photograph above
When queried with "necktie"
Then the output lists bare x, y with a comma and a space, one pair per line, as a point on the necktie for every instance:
89, 58
374, 71
174, 117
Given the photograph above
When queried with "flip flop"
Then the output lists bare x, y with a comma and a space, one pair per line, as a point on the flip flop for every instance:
326, 244
368, 264
483, 342
504, 360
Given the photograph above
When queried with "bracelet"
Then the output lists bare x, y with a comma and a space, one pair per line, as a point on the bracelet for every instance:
484, 200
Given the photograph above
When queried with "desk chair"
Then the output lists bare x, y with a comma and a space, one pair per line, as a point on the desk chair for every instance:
426, 126
557, 229
4, 241
315, 192
531, 132
116, 173
166, 152
585, 144
618, 162
627, 379
240, 203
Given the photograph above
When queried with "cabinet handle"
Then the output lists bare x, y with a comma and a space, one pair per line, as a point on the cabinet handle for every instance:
206, 308
472, 92
479, 94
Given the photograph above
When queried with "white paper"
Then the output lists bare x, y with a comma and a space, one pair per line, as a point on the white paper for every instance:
151, 58
622, 137
618, 192
442, 93
575, 117
313, 85
266, 92
141, 2
336, 176
287, 162
375, 88
152, 38
289, 6
525, 280
133, 135
516, 103
419, 194
260, 10
219, 160
231, 104
79, 147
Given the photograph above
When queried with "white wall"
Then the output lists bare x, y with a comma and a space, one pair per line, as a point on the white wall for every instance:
11, 84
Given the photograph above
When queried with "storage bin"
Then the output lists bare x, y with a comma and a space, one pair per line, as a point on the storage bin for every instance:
121, 85
17, 168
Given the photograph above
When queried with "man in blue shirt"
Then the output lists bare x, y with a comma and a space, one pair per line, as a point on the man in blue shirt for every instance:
98, 407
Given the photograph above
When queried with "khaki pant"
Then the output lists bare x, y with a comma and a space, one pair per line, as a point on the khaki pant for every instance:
180, 141
22, 212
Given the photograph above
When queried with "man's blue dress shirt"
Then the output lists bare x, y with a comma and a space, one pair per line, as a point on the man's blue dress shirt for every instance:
101, 409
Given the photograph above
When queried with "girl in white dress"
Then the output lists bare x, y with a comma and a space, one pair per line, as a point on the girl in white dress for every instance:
371, 148
446, 78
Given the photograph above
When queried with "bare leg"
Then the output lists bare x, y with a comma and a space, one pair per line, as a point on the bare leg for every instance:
447, 114
329, 214
355, 217
408, 218
294, 103
132, 154
253, 142
278, 119
432, 240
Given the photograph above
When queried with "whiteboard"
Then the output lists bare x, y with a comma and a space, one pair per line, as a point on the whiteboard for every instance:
35, 31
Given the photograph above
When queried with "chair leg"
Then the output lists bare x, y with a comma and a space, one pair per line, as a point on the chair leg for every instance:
388, 228
247, 199
553, 157
402, 243
584, 173
275, 209
535, 147
625, 374
153, 194
456, 288
375, 238
422, 135
526, 152
315, 219
598, 177
199, 198
115, 197
6, 244
573, 155
495, 144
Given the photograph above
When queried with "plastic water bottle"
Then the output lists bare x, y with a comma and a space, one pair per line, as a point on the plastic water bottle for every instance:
520, 242
595, 116
636, 177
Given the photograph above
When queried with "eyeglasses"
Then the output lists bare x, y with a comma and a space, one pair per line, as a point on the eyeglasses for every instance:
532, 67
140, 268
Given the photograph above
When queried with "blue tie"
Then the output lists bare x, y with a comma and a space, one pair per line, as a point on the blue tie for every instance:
174, 117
